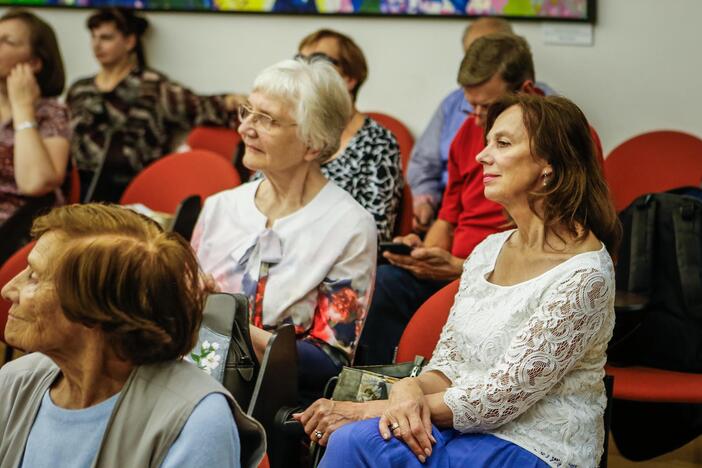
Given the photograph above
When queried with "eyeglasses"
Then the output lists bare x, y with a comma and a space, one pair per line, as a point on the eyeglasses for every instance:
315, 57
262, 121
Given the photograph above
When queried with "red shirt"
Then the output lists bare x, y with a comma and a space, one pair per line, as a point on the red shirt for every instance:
464, 205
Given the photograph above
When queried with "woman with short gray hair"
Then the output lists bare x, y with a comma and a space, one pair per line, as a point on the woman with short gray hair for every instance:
302, 249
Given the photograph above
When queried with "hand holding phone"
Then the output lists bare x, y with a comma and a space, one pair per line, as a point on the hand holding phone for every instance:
396, 248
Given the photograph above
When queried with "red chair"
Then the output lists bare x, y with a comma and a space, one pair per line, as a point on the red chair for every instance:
223, 141
74, 195
423, 330
653, 162
11, 268
402, 134
163, 185
656, 385
405, 213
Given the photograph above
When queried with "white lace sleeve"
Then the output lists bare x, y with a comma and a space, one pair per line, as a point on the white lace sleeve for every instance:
552, 341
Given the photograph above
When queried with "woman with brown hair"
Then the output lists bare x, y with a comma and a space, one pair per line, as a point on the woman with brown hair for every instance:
367, 164
129, 115
34, 130
107, 307
516, 377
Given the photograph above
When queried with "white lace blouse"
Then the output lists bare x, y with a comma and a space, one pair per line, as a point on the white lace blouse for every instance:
526, 361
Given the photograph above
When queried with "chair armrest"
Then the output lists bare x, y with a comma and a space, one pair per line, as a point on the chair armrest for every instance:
625, 301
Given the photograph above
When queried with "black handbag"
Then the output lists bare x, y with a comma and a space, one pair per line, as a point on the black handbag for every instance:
224, 348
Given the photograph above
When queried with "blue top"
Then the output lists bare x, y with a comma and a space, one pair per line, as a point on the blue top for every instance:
427, 173
61, 437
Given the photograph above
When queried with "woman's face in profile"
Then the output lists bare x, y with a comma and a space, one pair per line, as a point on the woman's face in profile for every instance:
510, 171
109, 45
270, 135
15, 46
36, 321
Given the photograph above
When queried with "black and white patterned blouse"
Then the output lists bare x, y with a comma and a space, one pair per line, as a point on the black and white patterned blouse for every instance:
370, 169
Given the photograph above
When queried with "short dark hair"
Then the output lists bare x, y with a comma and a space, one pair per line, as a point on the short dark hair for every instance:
126, 22
351, 59
118, 271
506, 54
577, 193
51, 77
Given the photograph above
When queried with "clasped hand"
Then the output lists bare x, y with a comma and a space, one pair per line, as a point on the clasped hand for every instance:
426, 262
408, 418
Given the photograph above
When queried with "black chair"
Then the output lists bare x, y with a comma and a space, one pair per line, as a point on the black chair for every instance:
276, 388
14, 232
186, 215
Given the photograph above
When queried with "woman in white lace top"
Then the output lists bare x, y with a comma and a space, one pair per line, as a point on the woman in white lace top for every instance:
516, 378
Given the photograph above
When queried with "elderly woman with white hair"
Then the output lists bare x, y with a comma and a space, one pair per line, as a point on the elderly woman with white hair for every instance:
302, 249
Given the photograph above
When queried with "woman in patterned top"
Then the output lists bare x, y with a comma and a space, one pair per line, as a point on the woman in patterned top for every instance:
367, 163
34, 130
302, 249
128, 115
516, 377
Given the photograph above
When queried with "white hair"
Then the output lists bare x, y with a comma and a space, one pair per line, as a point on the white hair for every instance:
321, 104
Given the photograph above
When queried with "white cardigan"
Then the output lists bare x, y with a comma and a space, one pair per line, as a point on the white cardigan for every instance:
526, 361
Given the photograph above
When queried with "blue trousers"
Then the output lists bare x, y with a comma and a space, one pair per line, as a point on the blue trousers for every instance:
360, 445
398, 294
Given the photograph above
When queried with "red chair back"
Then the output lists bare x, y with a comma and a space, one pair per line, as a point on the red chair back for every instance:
404, 138
423, 331
11, 268
171, 179
653, 162
74, 195
403, 223
223, 141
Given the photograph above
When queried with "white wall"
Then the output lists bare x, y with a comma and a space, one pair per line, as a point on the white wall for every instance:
644, 71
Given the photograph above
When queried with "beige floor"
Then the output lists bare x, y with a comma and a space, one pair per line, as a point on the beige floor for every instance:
689, 456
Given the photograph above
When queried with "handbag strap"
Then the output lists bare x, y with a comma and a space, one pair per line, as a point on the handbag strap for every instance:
641, 254
687, 221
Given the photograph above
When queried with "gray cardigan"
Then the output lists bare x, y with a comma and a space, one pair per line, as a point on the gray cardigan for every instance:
151, 410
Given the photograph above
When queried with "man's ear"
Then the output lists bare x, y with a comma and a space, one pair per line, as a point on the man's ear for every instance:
528, 87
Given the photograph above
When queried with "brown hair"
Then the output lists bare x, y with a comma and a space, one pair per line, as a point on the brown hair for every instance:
576, 194
506, 54
126, 22
120, 272
51, 77
351, 59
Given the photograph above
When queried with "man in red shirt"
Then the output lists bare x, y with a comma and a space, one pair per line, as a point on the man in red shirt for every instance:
493, 65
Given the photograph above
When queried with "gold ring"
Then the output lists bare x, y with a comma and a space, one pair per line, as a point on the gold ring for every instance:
394, 426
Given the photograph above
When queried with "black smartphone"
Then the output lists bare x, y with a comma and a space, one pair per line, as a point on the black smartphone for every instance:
395, 248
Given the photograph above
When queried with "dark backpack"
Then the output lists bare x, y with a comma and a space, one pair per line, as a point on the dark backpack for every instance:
661, 260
